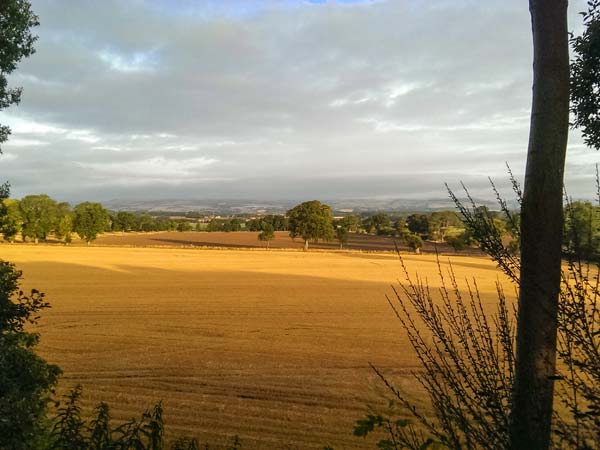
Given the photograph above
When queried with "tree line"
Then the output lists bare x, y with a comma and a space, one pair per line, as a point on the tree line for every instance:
36, 217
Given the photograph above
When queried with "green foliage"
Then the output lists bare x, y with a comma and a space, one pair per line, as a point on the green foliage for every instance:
585, 77
100, 433
10, 222
267, 234
232, 225
414, 242
39, 214
440, 222
459, 241
16, 42
26, 380
64, 224
277, 222
215, 225
90, 219
312, 221
582, 229
71, 432
255, 224
342, 234
352, 223
400, 227
125, 221
184, 225
68, 429
146, 223
378, 223
418, 224
227, 225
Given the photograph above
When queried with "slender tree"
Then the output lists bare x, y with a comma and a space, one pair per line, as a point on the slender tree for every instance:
541, 229
342, 234
267, 234
64, 223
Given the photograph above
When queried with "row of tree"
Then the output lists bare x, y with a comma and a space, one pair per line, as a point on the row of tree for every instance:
37, 216
124, 221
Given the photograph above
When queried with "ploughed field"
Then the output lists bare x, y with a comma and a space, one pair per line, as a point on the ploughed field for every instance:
249, 239
271, 346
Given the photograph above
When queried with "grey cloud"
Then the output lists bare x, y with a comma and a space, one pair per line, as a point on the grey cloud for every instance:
383, 98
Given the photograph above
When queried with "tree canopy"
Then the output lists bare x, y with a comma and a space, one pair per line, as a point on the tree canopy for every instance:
90, 220
312, 221
39, 216
585, 77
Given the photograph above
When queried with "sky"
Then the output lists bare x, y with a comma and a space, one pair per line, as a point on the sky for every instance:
267, 99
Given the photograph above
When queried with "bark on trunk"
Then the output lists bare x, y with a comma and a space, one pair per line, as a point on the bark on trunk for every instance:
541, 229
305, 245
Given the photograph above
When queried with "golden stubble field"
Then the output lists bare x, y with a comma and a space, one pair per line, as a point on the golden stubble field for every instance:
273, 346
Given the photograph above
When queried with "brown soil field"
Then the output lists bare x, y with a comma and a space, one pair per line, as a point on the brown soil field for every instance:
249, 239
271, 346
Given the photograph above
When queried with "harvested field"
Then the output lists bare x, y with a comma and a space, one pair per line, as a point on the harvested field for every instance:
271, 346
249, 239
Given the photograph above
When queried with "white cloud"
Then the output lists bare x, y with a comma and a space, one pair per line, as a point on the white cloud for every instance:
134, 62
27, 142
5, 157
157, 168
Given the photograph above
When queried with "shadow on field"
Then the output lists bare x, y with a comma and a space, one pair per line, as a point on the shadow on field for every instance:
262, 355
201, 243
457, 260
282, 240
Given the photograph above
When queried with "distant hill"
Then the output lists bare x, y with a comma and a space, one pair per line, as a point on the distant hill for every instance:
252, 206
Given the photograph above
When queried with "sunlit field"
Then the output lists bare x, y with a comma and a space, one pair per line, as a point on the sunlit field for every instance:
271, 346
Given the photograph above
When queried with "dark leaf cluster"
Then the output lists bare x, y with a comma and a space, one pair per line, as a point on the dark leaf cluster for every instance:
16, 42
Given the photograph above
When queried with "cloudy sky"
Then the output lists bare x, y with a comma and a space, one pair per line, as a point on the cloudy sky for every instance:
142, 99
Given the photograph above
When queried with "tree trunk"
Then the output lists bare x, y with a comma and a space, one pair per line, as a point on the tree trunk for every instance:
541, 229
305, 245
35, 240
